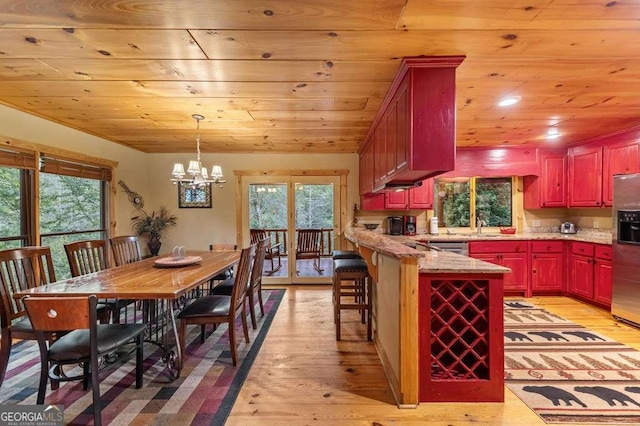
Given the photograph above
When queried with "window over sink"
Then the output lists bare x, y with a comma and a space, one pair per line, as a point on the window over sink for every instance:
457, 200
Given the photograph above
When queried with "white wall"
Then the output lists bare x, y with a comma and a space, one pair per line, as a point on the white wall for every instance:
149, 174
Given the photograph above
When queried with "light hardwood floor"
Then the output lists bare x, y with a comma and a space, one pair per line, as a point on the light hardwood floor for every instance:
302, 376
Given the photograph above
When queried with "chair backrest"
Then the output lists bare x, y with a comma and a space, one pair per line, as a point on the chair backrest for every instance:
21, 269
257, 235
126, 249
241, 277
308, 241
62, 313
258, 263
86, 257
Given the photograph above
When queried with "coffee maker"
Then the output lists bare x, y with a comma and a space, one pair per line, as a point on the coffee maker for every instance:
409, 225
394, 225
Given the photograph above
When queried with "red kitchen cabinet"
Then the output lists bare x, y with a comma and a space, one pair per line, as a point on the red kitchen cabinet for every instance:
585, 177
550, 188
366, 170
510, 254
602, 275
396, 200
422, 196
622, 158
547, 266
379, 154
581, 269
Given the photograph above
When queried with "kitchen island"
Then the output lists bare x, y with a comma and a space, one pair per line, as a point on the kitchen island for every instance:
437, 320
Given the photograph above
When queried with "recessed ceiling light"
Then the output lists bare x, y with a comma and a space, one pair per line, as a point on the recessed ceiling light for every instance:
552, 133
511, 100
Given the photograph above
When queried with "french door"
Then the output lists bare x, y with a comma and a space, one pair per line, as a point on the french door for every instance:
301, 216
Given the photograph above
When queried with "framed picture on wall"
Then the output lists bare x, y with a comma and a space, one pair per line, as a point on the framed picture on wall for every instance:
194, 197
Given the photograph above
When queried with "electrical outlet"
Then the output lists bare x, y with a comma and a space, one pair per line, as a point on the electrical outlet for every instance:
596, 225
536, 223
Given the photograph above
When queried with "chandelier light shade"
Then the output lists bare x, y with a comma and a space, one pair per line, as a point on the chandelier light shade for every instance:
196, 175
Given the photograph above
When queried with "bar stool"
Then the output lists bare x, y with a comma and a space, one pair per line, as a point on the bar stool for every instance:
354, 270
345, 254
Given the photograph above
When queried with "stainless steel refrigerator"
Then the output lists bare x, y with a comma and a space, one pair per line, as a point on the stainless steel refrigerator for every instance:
625, 304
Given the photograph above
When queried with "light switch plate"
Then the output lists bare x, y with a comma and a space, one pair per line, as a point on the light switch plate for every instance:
596, 225
536, 223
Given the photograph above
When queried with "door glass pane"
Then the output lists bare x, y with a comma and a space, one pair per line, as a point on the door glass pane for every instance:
493, 201
453, 202
314, 229
268, 216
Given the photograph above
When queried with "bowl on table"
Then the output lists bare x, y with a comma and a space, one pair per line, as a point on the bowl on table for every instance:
507, 230
371, 226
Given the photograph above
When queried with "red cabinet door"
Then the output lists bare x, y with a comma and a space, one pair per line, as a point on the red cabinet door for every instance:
422, 196
602, 274
379, 155
396, 200
403, 125
581, 268
391, 142
585, 177
517, 279
622, 159
554, 181
546, 271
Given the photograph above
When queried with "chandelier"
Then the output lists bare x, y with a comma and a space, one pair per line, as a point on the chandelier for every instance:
196, 175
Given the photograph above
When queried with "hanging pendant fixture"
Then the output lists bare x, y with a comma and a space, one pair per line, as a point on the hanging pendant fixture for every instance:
196, 175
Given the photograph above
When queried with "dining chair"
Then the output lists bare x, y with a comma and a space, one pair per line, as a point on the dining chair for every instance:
85, 342
125, 249
225, 288
308, 246
273, 250
216, 309
87, 257
20, 269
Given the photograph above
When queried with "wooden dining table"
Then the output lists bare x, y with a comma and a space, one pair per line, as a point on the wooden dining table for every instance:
162, 286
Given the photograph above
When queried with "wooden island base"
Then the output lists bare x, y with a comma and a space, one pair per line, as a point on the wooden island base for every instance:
437, 319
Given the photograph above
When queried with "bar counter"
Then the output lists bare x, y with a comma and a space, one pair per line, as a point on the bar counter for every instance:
437, 320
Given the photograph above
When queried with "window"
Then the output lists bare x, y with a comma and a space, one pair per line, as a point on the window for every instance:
72, 203
457, 200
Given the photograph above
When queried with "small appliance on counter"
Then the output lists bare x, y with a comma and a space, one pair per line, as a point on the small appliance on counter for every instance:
568, 228
394, 225
433, 225
409, 225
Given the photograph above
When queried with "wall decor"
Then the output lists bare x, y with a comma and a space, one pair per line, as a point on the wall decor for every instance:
194, 196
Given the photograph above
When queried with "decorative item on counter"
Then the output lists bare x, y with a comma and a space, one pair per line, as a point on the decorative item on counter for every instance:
507, 230
178, 252
433, 229
354, 221
371, 226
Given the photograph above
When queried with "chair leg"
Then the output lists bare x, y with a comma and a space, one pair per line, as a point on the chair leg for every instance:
139, 360
259, 291
252, 308
85, 380
95, 387
244, 322
5, 351
232, 340
44, 375
203, 331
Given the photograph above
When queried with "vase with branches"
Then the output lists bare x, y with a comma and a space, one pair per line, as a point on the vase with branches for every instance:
153, 226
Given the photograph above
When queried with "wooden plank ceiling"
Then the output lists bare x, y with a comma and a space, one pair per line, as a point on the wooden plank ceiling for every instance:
309, 76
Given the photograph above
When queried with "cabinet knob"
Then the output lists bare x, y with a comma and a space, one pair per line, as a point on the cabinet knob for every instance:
534, 271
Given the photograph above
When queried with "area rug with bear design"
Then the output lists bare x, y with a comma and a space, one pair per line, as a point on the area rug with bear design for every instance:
567, 373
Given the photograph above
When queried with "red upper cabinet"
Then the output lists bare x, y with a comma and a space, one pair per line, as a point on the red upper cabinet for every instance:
621, 158
366, 170
585, 177
422, 196
550, 188
413, 133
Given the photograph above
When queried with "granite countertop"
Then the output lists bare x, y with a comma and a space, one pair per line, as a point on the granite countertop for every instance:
429, 261
587, 237
443, 262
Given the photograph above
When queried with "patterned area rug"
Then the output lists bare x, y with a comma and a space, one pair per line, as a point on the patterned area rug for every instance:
204, 393
567, 373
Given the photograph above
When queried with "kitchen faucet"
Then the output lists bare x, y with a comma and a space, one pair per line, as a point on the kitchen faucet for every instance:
479, 224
